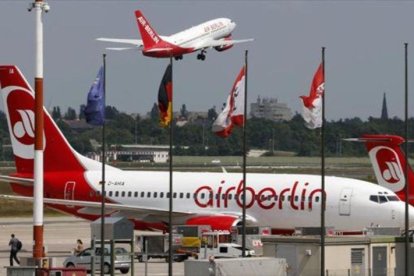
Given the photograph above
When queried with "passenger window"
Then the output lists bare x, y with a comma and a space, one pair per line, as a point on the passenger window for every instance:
174, 195
142, 194
117, 193
188, 195
203, 196
296, 198
168, 195
148, 194
136, 194
162, 195
110, 193
155, 194
129, 194
317, 199
230, 196
123, 194
181, 195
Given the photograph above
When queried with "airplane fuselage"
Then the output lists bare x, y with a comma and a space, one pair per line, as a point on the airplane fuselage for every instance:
280, 201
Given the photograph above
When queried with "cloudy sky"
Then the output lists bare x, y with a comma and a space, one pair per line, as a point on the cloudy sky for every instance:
364, 43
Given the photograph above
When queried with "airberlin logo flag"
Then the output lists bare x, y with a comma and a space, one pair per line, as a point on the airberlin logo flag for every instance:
312, 104
165, 97
233, 111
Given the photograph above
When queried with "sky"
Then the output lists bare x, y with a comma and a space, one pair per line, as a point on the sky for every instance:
364, 54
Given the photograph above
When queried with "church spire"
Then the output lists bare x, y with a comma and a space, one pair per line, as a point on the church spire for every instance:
384, 111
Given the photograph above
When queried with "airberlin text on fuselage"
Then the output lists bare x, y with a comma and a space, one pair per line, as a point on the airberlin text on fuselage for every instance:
266, 198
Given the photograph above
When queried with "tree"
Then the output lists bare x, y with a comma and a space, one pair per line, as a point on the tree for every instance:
212, 114
56, 114
70, 114
155, 113
82, 111
184, 112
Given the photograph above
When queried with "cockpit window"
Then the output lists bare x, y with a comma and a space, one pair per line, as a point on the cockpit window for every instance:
374, 198
382, 199
393, 198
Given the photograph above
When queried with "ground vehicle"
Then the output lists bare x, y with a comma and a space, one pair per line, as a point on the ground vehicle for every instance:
156, 246
83, 259
219, 245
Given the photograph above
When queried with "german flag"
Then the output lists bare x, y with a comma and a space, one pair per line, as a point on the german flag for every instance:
165, 93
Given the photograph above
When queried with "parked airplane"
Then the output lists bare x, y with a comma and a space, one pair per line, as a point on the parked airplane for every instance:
388, 162
281, 201
215, 34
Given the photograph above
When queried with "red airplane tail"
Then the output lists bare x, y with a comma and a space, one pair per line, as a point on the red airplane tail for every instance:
388, 161
18, 100
149, 36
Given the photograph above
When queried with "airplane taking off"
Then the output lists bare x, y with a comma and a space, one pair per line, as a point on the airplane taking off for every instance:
281, 201
388, 161
215, 34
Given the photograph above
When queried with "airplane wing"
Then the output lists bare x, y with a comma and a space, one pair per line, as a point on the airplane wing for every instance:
92, 207
221, 42
19, 180
136, 42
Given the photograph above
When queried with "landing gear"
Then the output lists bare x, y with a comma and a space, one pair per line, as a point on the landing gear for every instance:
201, 55
178, 57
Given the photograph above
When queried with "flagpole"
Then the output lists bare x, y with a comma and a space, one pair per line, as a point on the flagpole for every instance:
407, 237
103, 170
323, 201
170, 252
244, 157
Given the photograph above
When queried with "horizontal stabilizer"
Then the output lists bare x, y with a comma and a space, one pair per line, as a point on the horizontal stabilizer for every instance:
18, 180
120, 48
136, 42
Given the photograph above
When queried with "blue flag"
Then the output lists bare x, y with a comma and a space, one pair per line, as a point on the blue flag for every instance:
95, 108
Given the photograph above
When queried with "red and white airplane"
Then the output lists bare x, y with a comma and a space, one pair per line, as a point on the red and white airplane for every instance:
388, 161
281, 201
215, 34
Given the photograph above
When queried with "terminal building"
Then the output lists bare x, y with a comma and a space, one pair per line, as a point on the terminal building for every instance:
271, 109
135, 153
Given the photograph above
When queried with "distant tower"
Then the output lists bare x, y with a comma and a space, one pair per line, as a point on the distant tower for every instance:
384, 111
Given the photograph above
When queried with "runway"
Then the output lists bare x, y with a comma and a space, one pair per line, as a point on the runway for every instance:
60, 235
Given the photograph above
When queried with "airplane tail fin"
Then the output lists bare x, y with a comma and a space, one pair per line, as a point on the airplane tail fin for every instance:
388, 161
18, 101
149, 36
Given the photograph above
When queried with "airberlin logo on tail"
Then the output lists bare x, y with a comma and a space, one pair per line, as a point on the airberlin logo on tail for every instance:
387, 168
147, 28
20, 115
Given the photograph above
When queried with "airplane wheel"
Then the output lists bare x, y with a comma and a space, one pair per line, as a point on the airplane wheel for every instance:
203, 57
199, 56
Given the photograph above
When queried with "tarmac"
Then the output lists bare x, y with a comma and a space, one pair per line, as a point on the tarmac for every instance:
60, 235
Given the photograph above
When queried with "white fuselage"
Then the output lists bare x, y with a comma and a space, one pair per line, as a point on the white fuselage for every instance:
194, 36
279, 201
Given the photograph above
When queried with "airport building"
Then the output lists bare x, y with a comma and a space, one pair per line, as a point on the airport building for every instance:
344, 255
135, 153
271, 109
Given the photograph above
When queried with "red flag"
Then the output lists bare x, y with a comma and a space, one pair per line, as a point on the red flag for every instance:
165, 93
233, 111
312, 104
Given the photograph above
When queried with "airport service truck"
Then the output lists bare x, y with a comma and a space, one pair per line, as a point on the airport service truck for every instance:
156, 246
219, 245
